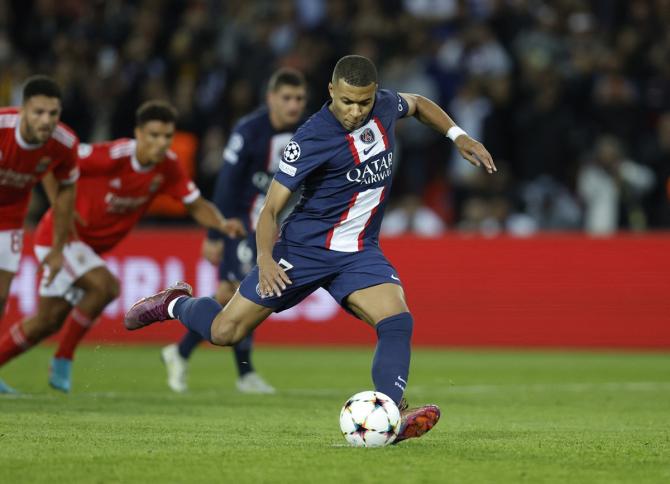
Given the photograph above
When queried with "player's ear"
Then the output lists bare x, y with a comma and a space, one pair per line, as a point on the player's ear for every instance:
138, 132
330, 89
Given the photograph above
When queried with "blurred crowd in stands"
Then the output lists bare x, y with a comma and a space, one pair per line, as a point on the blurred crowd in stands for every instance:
571, 97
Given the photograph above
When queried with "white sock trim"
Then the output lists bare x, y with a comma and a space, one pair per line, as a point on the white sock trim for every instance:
171, 306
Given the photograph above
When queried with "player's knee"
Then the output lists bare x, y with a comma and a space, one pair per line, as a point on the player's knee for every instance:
113, 289
225, 332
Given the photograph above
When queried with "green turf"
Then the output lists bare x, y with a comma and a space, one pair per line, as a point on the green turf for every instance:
507, 417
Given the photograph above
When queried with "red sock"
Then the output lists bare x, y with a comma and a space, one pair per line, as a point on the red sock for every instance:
12, 343
75, 328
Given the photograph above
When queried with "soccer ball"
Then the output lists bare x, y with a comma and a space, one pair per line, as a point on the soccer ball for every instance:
370, 419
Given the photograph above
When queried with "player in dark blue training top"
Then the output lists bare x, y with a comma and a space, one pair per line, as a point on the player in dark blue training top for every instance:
343, 159
250, 160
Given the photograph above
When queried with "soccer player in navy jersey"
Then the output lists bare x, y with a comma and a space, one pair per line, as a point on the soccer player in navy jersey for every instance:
250, 160
343, 159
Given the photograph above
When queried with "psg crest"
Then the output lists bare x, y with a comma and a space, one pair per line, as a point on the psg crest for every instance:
292, 152
367, 136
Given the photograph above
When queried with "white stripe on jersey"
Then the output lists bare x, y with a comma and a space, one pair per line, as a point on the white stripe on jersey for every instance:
63, 136
344, 237
8, 120
191, 197
375, 140
120, 150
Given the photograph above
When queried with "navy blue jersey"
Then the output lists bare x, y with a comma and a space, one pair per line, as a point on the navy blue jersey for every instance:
345, 177
250, 159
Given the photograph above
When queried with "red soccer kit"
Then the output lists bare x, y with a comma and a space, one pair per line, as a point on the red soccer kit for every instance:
22, 165
114, 191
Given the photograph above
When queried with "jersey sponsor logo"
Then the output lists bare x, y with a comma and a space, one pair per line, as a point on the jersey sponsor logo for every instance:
42, 165
288, 169
116, 204
292, 152
367, 136
372, 171
11, 178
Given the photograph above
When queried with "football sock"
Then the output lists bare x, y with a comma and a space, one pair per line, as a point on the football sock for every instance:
242, 352
390, 366
188, 343
13, 343
197, 314
76, 326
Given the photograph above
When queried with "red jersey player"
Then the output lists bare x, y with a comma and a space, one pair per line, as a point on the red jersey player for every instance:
119, 179
32, 143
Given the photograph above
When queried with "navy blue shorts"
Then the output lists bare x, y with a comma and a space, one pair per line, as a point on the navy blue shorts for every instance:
339, 273
239, 257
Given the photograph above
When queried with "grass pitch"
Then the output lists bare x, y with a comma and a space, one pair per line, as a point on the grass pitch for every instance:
536, 417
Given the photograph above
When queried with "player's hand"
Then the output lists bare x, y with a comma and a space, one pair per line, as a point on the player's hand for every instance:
212, 251
473, 151
233, 228
272, 278
52, 264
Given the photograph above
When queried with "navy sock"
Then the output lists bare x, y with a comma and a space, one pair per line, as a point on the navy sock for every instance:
197, 314
188, 343
390, 366
242, 352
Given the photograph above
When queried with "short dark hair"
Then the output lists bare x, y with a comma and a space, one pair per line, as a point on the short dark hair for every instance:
286, 77
41, 86
155, 111
355, 70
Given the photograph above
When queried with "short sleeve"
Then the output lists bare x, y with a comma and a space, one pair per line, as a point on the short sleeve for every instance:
177, 184
67, 171
394, 103
302, 155
95, 159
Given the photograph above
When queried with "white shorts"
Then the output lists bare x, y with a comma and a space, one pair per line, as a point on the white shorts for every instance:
11, 244
78, 259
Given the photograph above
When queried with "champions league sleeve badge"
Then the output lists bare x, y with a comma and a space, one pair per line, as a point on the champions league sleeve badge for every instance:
292, 152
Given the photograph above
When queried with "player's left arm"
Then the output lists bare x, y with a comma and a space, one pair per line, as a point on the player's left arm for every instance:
206, 214
63, 207
432, 115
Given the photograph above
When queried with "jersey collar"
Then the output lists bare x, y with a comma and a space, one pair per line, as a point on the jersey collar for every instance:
135, 163
21, 142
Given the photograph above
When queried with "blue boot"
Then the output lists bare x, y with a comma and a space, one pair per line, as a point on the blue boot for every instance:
6, 389
60, 374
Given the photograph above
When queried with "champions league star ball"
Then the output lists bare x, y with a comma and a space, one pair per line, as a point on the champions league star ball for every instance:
370, 419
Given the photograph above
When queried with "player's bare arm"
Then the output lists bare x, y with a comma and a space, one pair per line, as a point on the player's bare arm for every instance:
206, 214
432, 115
63, 205
272, 279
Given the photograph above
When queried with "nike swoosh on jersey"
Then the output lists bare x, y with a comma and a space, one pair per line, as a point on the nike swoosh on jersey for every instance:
394, 277
365, 152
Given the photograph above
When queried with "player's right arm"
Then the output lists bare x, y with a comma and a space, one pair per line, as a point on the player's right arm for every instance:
272, 279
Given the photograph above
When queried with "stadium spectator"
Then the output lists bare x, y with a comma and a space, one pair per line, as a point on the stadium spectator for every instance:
576, 69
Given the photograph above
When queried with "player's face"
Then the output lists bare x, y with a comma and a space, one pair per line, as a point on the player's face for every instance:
287, 104
351, 104
39, 117
154, 139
